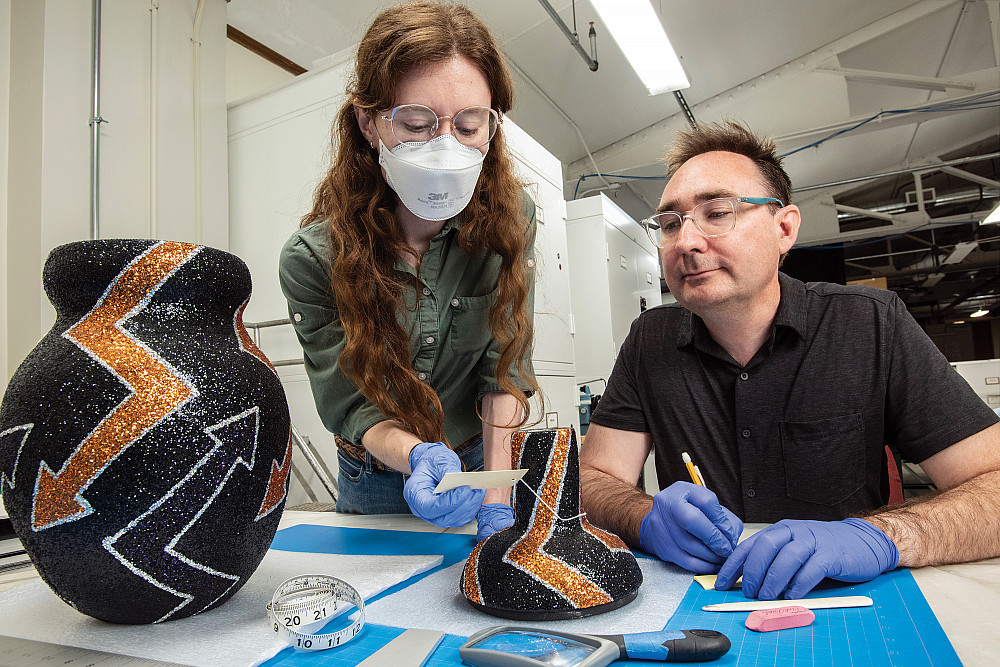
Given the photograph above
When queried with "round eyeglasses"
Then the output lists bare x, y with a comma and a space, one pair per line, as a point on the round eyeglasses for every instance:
415, 124
715, 217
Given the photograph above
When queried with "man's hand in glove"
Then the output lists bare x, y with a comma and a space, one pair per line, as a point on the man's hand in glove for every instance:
688, 526
791, 557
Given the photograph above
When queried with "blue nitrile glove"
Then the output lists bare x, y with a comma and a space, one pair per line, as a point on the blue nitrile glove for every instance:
429, 461
792, 556
493, 517
688, 526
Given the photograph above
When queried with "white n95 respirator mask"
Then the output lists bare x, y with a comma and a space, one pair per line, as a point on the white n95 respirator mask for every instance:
435, 179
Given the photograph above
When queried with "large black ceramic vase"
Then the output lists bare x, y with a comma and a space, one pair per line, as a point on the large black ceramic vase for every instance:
551, 564
144, 443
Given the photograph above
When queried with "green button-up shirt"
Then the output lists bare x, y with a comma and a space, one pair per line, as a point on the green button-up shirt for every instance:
451, 343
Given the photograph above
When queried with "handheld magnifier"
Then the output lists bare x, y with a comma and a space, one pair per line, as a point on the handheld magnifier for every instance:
515, 646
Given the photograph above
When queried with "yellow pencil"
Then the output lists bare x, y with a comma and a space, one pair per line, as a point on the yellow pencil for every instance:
692, 470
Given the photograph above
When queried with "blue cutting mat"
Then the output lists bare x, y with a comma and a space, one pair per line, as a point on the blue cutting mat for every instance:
899, 630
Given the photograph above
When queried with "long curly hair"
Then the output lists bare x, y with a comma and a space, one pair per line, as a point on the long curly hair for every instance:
357, 205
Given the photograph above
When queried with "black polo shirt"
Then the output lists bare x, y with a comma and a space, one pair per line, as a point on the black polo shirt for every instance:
799, 432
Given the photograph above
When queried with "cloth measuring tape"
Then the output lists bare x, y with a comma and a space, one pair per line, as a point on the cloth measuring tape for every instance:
306, 603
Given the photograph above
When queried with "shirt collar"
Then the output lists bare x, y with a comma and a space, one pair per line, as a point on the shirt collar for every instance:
791, 313
452, 223
792, 307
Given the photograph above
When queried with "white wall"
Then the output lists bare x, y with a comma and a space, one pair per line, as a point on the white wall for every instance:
4, 127
248, 74
152, 185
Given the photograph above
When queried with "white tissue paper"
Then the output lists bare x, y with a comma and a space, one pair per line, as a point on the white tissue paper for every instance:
237, 634
436, 603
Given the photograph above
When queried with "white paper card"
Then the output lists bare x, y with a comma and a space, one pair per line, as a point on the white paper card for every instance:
484, 479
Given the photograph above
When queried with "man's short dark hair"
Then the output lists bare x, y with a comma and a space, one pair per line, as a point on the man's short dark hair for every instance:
733, 137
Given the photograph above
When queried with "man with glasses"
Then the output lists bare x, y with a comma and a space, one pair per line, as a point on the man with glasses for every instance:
784, 394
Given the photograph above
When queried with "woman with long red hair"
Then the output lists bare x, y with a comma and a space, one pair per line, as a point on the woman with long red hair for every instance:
410, 283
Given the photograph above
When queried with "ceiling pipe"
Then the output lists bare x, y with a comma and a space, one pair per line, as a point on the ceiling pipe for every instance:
685, 108
95, 119
196, 115
573, 39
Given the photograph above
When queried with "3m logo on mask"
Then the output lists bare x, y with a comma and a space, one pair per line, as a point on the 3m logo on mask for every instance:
435, 179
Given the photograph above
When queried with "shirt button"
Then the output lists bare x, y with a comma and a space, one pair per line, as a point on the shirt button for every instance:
429, 340
746, 433
427, 291
454, 303
751, 493
297, 317
422, 376
744, 376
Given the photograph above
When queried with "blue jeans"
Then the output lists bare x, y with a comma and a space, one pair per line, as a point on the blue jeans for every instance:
364, 489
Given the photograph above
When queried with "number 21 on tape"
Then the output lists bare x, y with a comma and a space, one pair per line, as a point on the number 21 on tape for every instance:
304, 604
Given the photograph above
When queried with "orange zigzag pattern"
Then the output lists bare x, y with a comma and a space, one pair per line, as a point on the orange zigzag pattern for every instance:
156, 390
525, 553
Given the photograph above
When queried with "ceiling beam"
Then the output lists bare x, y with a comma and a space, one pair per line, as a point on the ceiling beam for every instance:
634, 151
994, 7
960, 252
898, 172
932, 280
969, 176
897, 228
917, 239
268, 54
868, 213
914, 113
900, 80
987, 260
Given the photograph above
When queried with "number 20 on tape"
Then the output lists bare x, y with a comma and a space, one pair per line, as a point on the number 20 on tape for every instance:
304, 604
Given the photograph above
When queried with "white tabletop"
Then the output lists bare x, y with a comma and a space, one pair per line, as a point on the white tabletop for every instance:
965, 598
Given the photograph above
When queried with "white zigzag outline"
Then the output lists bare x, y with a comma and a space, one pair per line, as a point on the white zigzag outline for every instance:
169, 549
11, 481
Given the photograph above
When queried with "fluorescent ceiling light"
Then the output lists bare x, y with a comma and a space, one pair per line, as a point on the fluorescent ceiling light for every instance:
980, 313
993, 217
640, 36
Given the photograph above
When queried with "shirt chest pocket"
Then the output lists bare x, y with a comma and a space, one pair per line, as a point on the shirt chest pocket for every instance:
470, 323
824, 459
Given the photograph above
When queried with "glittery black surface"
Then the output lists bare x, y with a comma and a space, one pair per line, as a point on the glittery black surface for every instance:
119, 562
573, 569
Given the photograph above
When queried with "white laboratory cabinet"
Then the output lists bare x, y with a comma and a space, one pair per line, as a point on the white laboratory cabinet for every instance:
983, 376
616, 276
279, 147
